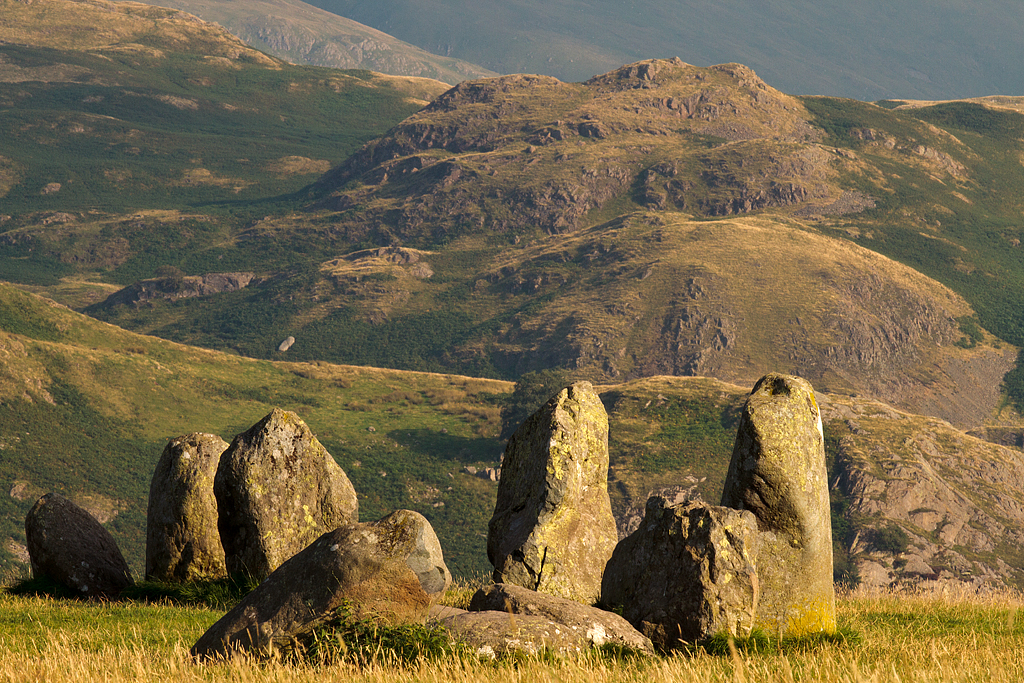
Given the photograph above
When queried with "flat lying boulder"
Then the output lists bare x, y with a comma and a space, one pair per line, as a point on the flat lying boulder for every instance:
593, 626
552, 529
778, 473
687, 573
391, 569
182, 540
499, 634
277, 490
68, 545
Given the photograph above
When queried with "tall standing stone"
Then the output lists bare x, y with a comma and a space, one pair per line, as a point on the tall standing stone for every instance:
182, 540
68, 545
552, 529
278, 490
778, 473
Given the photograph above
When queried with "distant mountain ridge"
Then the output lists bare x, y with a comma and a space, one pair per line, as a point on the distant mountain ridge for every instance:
868, 50
304, 34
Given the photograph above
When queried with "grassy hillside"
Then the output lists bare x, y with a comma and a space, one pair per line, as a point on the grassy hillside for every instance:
410, 440
304, 34
117, 107
865, 50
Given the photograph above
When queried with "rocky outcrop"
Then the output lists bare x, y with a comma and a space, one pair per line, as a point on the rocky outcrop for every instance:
778, 473
66, 544
182, 287
182, 540
277, 490
590, 625
391, 569
687, 573
552, 529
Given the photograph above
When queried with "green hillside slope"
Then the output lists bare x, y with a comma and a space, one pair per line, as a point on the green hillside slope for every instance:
152, 108
865, 50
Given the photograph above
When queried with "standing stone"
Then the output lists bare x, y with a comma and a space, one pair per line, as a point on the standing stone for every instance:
68, 545
778, 473
687, 573
552, 529
278, 490
391, 569
182, 541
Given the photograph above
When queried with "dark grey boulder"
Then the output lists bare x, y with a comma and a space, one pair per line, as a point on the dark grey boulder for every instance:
391, 569
68, 545
778, 473
687, 573
552, 530
182, 540
277, 490
587, 625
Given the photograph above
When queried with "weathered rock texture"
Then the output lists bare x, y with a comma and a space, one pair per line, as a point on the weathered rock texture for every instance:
182, 540
552, 529
391, 569
277, 490
594, 626
778, 473
687, 573
68, 545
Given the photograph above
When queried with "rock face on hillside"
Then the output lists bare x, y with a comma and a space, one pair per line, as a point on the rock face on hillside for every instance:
182, 540
946, 508
778, 473
183, 287
66, 544
390, 569
687, 573
552, 529
277, 490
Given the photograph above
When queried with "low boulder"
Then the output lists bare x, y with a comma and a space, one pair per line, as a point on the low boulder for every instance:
778, 473
182, 540
391, 569
500, 634
552, 530
687, 573
68, 545
277, 490
590, 626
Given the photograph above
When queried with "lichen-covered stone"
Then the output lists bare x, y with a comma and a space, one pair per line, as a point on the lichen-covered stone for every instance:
68, 545
589, 625
687, 573
182, 540
391, 569
277, 490
778, 473
552, 529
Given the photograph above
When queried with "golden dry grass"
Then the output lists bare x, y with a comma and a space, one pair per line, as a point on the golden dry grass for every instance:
905, 637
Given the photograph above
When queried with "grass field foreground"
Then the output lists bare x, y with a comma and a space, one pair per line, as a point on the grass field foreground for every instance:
952, 637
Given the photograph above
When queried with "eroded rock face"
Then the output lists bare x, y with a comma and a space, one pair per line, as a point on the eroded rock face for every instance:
778, 473
391, 569
182, 540
552, 529
68, 545
277, 490
592, 626
687, 573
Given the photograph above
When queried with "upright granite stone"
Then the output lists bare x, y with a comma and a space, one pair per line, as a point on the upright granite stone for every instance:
391, 570
778, 473
278, 490
182, 540
552, 529
687, 573
68, 545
